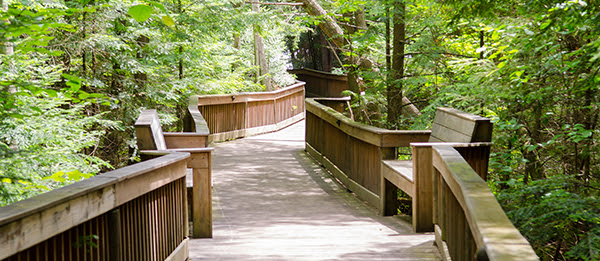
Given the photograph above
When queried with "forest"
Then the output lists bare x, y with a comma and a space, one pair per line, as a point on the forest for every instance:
75, 75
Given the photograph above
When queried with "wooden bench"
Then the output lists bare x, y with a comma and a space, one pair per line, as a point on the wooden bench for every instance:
153, 142
470, 134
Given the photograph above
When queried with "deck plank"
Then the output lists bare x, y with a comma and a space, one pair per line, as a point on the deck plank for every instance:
272, 202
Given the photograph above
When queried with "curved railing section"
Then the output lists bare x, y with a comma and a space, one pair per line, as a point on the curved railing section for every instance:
469, 221
353, 151
138, 212
233, 116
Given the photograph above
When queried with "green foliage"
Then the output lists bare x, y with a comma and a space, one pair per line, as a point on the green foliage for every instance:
531, 66
556, 207
82, 70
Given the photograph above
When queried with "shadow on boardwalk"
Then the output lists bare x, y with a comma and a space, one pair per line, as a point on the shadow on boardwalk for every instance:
272, 202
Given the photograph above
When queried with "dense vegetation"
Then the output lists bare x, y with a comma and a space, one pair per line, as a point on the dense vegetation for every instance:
74, 75
533, 67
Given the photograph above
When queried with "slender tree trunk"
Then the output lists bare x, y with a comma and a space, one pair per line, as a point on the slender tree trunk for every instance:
358, 24
533, 166
7, 47
394, 92
180, 65
84, 54
259, 55
388, 41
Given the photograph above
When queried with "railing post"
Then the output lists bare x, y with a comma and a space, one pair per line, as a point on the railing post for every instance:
422, 201
201, 195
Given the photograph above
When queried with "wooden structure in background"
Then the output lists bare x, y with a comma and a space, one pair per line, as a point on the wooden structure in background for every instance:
234, 116
472, 134
322, 84
137, 212
469, 222
152, 141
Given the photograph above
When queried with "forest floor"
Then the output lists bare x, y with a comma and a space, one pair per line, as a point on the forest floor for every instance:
271, 201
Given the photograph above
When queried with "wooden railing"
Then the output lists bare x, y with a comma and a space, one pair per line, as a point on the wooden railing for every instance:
353, 151
355, 154
138, 212
469, 222
233, 116
152, 141
322, 84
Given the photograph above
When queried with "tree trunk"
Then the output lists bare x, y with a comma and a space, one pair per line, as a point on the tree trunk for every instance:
7, 47
394, 92
359, 24
180, 67
330, 27
259, 55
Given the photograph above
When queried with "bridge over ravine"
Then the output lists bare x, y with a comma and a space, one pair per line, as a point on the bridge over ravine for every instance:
271, 201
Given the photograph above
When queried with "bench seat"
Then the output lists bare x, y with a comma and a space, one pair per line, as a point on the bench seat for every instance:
470, 134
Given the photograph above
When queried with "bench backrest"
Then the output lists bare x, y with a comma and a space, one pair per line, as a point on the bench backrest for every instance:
149, 131
452, 125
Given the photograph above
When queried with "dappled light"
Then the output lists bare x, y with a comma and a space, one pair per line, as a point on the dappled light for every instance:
272, 202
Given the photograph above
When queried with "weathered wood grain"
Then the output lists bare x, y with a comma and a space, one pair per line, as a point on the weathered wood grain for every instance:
490, 227
149, 132
32, 221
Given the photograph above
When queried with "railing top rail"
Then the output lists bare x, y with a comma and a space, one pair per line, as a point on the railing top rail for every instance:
491, 228
341, 99
373, 135
53, 198
322, 74
199, 100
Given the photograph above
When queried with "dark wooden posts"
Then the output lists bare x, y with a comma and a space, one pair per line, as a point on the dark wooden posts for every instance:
322, 84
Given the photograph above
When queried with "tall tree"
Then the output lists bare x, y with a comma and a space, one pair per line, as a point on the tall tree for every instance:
394, 91
259, 54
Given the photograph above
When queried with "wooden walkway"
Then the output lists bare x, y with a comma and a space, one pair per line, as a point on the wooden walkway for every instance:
272, 202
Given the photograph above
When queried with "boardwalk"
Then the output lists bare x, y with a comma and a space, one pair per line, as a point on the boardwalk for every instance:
272, 202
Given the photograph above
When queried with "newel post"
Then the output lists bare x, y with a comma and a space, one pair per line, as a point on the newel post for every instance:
422, 201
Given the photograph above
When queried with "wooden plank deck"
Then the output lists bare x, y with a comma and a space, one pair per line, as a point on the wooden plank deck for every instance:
272, 202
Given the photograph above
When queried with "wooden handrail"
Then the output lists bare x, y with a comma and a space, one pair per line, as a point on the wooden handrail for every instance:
57, 219
352, 151
201, 100
232, 116
467, 214
373, 135
364, 159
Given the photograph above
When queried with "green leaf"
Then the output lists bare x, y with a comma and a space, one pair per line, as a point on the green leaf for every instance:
167, 20
140, 13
